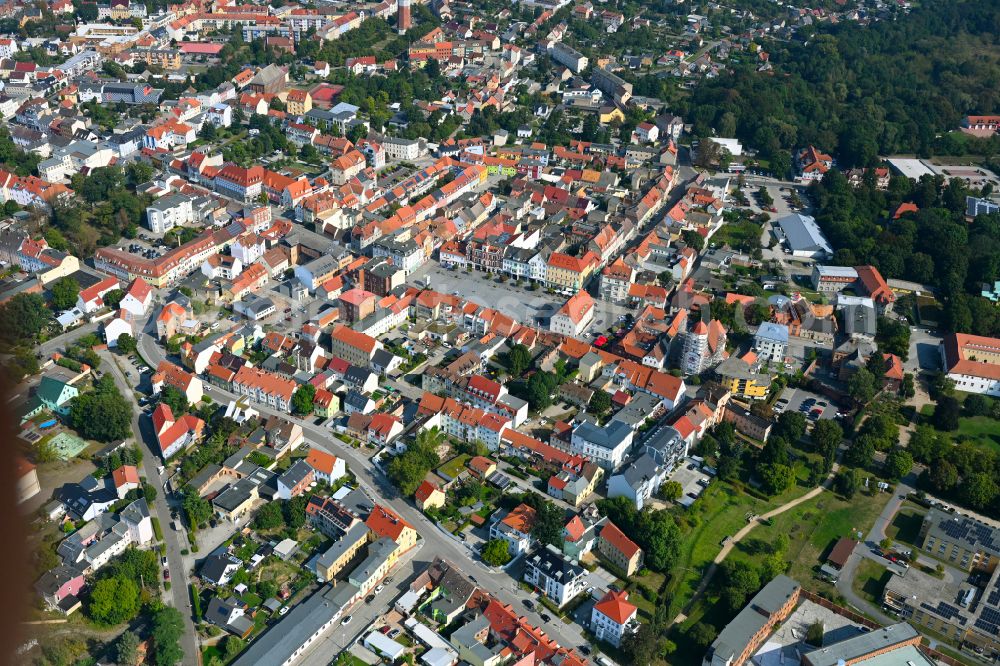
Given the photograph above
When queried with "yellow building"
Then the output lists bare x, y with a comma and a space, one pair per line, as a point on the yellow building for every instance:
384, 522
428, 496
298, 102
342, 551
610, 114
564, 272
168, 59
736, 376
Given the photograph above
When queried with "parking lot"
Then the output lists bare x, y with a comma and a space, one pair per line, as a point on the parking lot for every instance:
812, 405
693, 481
526, 306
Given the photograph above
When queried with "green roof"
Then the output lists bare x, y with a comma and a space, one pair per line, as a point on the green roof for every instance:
50, 390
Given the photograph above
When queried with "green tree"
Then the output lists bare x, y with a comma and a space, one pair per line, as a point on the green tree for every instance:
979, 491
701, 635
302, 399
861, 452
693, 239
898, 463
113, 298
600, 402
233, 646
22, 318
496, 553
660, 537
815, 633
846, 482
126, 343
862, 386
518, 360
127, 648
268, 516
198, 510
775, 478
791, 426
102, 414
64, 293
175, 399
168, 627
672, 491
739, 581
946, 413
113, 601
826, 437
549, 522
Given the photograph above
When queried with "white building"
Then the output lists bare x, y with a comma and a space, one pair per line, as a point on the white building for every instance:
771, 342
401, 149
167, 212
574, 316
555, 575
612, 617
607, 446
972, 362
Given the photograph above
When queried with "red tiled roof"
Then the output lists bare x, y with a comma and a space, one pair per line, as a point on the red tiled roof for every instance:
385, 522
615, 606
617, 540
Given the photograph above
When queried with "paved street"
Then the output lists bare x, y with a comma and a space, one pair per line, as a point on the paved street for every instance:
175, 541
373, 482
863, 551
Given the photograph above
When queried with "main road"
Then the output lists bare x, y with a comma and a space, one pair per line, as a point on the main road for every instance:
146, 439
375, 483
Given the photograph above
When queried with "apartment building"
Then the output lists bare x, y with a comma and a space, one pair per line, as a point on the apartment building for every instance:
264, 387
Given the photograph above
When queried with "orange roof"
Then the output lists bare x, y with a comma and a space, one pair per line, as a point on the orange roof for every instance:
615, 606
962, 353
522, 518
385, 522
574, 528
425, 490
125, 474
321, 461
577, 307
355, 339
617, 539
874, 284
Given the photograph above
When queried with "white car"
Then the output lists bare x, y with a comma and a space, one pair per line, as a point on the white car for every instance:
379, 589
283, 610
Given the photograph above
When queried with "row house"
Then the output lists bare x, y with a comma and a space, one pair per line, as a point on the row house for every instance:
264, 387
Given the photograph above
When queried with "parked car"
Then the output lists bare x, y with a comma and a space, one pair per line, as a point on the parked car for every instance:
394, 633
527, 604
545, 617
346, 620
283, 610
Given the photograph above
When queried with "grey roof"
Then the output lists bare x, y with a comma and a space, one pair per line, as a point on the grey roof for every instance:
378, 554
773, 332
295, 474
357, 375
465, 636
53, 579
964, 531
665, 445
279, 643
803, 234
219, 611
864, 644
346, 541
859, 320
214, 567
608, 437
553, 564
639, 471
734, 638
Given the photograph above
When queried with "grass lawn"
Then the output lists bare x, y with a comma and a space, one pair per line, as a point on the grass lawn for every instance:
454, 467
981, 431
813, 527
905, 527
720, 512
870, 580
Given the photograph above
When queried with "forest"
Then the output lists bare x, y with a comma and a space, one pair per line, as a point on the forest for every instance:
933, 246
860, 91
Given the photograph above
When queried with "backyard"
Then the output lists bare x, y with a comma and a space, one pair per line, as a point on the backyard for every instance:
870, 580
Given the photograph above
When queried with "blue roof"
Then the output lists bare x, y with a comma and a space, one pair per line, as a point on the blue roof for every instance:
771, 331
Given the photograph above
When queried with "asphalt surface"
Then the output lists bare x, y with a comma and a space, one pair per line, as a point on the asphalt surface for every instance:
435, 541
175, 541
864, 551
